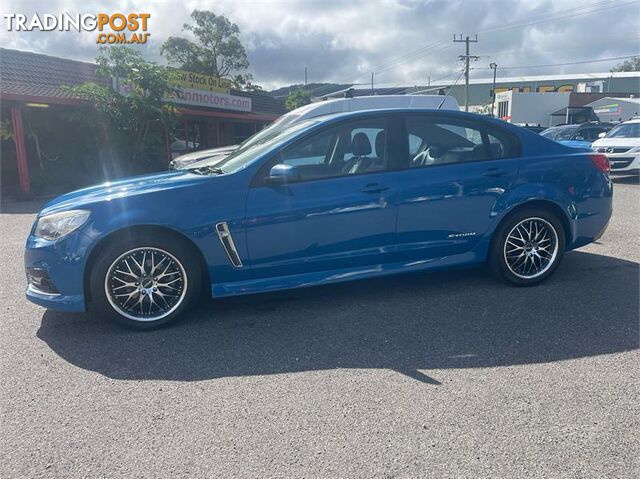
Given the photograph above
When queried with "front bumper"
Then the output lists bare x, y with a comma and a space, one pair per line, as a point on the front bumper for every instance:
62, 262
623, 162
56, 302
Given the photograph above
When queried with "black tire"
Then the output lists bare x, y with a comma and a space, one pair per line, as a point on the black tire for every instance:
504, 263
178, 254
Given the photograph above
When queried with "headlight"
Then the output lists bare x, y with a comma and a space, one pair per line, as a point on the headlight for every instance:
56, 225
635, 149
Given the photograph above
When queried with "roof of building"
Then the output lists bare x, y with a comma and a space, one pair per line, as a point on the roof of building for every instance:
609, 97
262, 102
28, 74
34, 74
581, 99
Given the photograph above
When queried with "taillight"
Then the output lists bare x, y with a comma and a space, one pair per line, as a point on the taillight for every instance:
602, 162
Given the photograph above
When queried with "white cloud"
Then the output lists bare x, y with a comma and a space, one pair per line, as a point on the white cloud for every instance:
344, 41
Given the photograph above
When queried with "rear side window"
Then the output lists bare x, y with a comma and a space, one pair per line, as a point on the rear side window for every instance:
433, 141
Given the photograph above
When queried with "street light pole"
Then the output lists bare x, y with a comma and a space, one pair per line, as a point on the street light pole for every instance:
494, 67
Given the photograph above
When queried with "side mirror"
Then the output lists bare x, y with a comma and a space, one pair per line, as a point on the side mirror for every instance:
282, 174
602, 135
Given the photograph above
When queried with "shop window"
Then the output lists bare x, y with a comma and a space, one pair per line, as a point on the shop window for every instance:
186, 138
242, 131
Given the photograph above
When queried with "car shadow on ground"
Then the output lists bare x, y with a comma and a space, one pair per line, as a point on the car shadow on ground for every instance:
21, 207
626, 179
410, 324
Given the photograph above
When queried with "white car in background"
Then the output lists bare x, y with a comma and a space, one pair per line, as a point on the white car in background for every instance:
622, 147
313, 110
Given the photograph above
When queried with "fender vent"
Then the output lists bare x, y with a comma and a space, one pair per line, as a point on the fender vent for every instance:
227, 243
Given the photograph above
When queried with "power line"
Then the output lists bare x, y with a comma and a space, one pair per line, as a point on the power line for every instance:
561, 14
432, 48
449, 87
625, 37
559, 64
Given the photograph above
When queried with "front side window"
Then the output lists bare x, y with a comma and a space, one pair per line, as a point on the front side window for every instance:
565, 133
242, 157
436, 142
353, 148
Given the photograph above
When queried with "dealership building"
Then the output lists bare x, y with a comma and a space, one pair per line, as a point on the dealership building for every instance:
37, 120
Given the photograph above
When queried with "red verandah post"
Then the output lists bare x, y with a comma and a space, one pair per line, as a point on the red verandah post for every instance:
21, 151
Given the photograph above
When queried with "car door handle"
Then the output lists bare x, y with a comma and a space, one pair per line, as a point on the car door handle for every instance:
374, 188
495, 172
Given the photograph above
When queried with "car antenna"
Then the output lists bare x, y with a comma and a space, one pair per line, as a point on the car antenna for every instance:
449, 90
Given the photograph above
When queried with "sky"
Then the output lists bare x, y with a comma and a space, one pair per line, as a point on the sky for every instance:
403, 42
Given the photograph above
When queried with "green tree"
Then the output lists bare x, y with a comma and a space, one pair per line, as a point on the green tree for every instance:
217, 49
297, 98
133, 115
631, 65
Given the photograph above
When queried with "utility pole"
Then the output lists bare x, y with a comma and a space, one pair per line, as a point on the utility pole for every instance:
466, 57
372, 83
494, 67
305, 76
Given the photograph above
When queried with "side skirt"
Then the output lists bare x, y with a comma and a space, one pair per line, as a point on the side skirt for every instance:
340, 275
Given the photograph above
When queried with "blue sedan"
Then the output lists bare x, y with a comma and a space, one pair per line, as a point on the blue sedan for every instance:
335, 198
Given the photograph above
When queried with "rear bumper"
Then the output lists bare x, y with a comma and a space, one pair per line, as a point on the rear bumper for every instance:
592, 215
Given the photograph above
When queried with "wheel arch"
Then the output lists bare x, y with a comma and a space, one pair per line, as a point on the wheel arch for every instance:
547, 205
131, 232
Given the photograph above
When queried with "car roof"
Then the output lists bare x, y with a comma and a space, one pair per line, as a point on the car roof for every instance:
384, 111
584, 125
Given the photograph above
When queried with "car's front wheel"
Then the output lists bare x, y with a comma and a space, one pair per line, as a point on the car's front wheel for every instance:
144, 282
528, 247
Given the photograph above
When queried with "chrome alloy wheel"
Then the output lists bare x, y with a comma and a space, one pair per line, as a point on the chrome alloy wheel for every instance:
531, 248
146, 284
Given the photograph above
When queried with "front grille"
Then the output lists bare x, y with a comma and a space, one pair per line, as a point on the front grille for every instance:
622, 162
608, 149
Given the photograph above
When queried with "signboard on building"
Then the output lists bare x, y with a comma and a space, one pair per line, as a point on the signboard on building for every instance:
212, 99
198, 89
195, 89
199, 81
612, 109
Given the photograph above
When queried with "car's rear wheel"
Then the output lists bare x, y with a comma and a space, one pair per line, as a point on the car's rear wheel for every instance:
528, 247
144, 282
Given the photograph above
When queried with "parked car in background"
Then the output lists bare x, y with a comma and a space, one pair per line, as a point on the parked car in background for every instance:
577, 136
185, 160
314, 110
334, 198
537, 128
622, 147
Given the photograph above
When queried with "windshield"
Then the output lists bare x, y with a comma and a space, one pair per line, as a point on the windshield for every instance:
626, 130
275, 127
559, 133
243, 156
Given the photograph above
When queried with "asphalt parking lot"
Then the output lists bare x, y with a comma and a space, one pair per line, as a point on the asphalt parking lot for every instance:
440, 375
